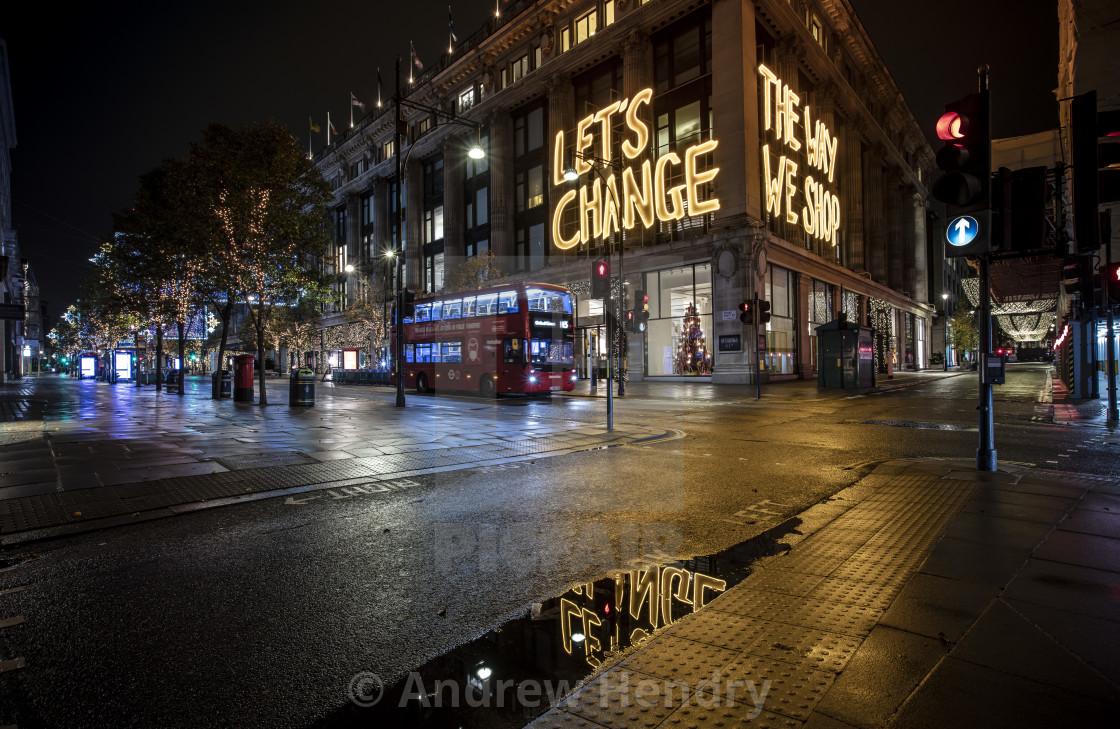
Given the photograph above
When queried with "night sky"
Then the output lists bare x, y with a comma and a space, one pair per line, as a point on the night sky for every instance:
104, 91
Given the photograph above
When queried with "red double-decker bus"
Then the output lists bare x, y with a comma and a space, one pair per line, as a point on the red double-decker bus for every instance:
516, 338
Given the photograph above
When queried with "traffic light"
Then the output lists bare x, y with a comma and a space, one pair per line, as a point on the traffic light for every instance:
746, 312
631, 325
601, 280
965, 186
641, 310
763, 312
1096, 166
1112, 281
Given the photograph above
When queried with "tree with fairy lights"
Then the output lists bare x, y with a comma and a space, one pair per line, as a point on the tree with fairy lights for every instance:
159, 249
693, 357
268, 208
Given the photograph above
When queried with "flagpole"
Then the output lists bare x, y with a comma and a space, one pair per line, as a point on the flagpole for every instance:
310, 131
351, 109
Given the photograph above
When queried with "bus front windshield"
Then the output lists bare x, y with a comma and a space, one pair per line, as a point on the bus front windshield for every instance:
551, 352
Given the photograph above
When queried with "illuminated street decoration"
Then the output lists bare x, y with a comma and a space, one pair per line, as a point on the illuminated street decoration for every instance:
820, 210
1024, 321
642, 194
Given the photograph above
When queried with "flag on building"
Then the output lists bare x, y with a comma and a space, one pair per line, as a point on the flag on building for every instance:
314, 127
451, 26
354, 102
380, 88
330, 127
415, 58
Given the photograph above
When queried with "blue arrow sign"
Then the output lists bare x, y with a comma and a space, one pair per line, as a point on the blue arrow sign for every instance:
962, 230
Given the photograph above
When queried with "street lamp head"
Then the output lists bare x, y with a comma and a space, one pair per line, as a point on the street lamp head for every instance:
475, 152
944, 296
570, 174
390, 254
349, 268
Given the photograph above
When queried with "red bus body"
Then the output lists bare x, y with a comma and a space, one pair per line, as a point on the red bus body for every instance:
517, 338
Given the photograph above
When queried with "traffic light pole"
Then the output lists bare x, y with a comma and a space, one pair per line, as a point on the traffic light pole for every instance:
610, 361
986, 453
1110, 343
399, 318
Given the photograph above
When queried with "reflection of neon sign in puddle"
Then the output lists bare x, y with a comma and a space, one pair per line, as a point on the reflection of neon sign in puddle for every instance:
640, 602
558, 642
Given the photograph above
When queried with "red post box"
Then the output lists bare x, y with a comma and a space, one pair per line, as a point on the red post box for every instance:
243, 377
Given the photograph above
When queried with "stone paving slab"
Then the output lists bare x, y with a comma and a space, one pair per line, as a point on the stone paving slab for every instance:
45, 510
878, 618
101, 451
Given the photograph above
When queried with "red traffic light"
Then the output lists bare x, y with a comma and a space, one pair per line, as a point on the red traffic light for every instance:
602, 269
951, 126
745, 306
1112, 282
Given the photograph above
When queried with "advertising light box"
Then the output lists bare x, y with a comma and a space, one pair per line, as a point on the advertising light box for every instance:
122, 365
88, 366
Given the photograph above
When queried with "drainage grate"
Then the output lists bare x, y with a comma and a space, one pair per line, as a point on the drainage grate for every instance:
916, 424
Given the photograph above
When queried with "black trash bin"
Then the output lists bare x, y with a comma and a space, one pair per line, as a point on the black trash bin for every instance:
221, 383
301, 388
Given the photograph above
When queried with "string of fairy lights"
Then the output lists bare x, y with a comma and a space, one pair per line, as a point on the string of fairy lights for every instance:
1029, 320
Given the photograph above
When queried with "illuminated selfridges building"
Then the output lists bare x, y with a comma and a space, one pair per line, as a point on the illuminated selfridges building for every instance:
712, 152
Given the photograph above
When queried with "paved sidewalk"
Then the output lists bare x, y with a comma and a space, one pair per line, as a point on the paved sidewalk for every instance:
927, 595
86, 454
682, 388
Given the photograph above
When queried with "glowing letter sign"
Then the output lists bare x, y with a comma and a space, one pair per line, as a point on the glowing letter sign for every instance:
819, 213
643, 194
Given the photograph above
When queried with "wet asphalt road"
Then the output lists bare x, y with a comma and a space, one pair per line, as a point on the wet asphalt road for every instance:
259, 615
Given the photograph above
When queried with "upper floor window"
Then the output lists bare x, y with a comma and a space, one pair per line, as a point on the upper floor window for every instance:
467, 99
586, 25
519, 68
423, 126
388, 149
683, 52
816, 29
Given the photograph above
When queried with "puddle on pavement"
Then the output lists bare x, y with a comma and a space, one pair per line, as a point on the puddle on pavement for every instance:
516, 672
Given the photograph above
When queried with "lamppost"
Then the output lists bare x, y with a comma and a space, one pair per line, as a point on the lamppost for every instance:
570, 174
475, 152
388, 256
945, 307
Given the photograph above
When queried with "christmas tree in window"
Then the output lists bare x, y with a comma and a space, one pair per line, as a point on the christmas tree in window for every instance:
693, 357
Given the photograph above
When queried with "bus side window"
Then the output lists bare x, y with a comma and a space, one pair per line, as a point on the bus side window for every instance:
410, 353
507, 301
468, 307
513, 351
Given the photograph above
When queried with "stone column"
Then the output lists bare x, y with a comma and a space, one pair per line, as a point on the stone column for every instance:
921, 258
851, 189
805, 362
454, 226
354, 254
561, 118
735, 101
875, 245
895, 247
414, 215
380, 213
501, 191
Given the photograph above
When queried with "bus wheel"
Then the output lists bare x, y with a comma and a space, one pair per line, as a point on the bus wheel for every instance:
486, 387
421, 382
